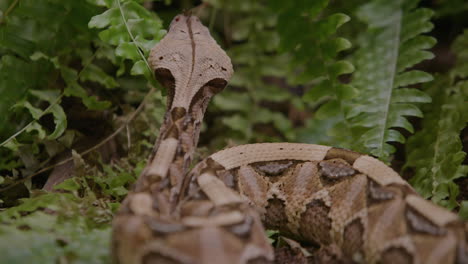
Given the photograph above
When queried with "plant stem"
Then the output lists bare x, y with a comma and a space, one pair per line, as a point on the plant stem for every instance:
8, 11
133, 38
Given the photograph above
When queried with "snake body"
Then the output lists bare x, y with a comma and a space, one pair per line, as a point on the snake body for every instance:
217, 212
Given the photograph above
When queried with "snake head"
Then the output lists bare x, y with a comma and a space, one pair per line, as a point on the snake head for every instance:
188, 59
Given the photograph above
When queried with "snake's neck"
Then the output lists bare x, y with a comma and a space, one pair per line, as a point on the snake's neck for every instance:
173, 151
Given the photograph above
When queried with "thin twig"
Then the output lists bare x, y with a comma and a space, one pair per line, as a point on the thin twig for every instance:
214, 12
8, 11
133, 38
115, 133
197, 10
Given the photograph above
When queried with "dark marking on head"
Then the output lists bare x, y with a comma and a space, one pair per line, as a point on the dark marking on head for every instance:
420, 224
177, 113
353, 237
395, 255
205, 93
166, 79
275, 215
273, 168
217, 85
377, 193
172, 132
259, 260
315, 222
336, 169
347, 155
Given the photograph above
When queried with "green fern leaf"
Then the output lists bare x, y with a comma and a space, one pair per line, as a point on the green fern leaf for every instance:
392, 45
308, 36
436, 152
256, 86
460, 48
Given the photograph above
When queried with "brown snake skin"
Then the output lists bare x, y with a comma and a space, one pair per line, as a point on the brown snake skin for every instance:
216, 213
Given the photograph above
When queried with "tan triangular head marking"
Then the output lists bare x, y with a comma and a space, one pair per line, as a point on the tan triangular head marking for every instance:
216, 190
377, 193
434, 213
420, 224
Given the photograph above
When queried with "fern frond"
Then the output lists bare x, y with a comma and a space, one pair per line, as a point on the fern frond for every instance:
392, 45
249, 108
436, 152
308, 35
460, 47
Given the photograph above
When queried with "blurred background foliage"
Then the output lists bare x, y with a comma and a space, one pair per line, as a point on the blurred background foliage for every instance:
80, 108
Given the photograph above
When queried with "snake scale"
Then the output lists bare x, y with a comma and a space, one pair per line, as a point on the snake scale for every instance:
217, 212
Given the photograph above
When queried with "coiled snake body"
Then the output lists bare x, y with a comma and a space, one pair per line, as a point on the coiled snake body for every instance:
216, 213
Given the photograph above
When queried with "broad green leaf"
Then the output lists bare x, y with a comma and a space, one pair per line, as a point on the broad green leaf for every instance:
96, 74
109, 17
91, 102
68, 185
139, 68
128, 50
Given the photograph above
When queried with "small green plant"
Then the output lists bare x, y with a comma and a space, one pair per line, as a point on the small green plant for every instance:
354, 74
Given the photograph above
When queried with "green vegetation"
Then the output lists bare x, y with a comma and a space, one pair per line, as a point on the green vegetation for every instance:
387, 78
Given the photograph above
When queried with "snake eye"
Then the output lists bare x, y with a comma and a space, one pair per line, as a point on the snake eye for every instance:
177, 19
